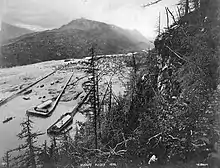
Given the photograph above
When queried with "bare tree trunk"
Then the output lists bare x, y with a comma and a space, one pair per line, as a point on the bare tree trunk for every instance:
178, 9
45, 147
110, 98
32, 155
187, 7
55, 150
134, 75
159, 25
167, 18
94, 98
98, 103
174, 20
7, 159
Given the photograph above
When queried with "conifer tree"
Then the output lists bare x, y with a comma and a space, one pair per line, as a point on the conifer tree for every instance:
29, 150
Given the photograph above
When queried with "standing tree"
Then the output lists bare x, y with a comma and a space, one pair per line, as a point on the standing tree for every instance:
66, 150
95, 97
45, 157
187, 7
29, 150
158, 26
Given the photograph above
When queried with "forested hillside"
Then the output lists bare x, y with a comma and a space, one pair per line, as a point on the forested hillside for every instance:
170, 107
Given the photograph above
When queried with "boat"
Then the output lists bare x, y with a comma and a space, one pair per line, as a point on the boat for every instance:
46, 108
7, 120
65, 120
60, 125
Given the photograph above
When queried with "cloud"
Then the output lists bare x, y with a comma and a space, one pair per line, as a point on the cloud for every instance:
32, 12
54, 13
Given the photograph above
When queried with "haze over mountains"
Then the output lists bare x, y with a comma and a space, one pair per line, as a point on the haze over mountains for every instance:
9, 31
69, 41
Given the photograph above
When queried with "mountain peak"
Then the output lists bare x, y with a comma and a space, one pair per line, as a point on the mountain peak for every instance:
87, 25
83, 24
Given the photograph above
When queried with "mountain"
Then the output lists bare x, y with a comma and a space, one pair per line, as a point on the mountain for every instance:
135, 34
69, 41
84, 24
142, 41
9, 31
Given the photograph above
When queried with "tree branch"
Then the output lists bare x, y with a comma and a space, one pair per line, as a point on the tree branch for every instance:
151, 3
153, 137
172, 15
199, 145
185, 59
112, 151
125, 141
174, 138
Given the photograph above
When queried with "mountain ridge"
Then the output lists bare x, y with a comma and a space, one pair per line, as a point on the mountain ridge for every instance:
69, 41
9, 31
85, 25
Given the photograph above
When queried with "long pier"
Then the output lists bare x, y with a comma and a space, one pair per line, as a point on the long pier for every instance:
2, 102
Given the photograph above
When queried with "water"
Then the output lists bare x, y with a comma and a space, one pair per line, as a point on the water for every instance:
17, 108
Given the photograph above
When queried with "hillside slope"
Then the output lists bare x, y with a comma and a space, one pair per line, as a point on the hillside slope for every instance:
9, 31
69, 41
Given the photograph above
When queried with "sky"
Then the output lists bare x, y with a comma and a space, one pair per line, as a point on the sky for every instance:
47, 14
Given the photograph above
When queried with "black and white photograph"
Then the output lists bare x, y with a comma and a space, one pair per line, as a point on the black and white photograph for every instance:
109, 84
